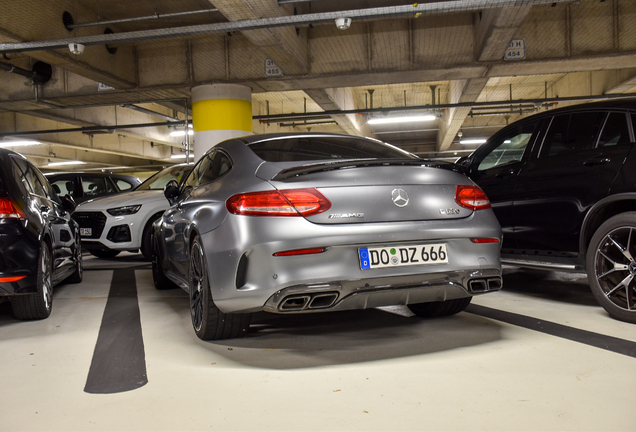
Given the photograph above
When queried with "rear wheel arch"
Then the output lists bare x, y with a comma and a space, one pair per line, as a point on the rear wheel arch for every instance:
602, 211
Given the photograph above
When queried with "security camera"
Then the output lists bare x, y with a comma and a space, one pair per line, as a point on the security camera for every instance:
343, 23
76, 48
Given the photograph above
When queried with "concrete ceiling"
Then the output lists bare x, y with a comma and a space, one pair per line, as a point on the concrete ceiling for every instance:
396, 55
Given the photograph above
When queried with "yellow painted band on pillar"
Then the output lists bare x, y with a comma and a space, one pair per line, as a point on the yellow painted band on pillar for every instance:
222, 114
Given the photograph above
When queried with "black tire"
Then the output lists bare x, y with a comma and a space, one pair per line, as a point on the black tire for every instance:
78, 275
38, 305
611, 267
208, 321
146, 238
159, 278
107, 253
440, 308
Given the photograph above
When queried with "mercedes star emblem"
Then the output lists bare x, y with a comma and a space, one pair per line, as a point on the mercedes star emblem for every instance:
400, 197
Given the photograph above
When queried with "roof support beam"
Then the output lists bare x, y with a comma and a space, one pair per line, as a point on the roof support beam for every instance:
494, 30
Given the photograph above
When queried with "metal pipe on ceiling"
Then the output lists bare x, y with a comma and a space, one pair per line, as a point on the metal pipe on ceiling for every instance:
285, 2
144, 18
149, 112
34, 76
317, 115
439, 107
406, 11
89, 129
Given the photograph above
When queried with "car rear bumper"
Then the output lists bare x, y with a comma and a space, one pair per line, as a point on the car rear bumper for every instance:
18, 258
371, 293
246, 277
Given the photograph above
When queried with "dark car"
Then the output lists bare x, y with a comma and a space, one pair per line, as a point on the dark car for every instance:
39, 242
563, 186
83, 186
306, 223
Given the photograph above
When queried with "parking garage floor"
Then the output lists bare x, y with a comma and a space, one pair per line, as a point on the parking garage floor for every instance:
538, 356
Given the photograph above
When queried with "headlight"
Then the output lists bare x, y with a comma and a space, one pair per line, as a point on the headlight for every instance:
121, 211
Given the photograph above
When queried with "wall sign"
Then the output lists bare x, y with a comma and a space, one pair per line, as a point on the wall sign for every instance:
271, 70
516, 50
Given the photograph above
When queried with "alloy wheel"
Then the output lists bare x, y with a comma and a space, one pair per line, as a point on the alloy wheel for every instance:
45, 267
197, 277
615, 267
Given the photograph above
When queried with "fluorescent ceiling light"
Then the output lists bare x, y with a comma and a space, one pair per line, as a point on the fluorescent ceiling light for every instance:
408, 119
180, 133
180, 156
66, 163
18, 143
473, 141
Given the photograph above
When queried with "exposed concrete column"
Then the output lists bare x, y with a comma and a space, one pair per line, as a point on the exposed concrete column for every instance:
220, 112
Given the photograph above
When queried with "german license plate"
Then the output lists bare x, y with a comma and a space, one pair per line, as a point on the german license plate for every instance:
86, 232
400, 256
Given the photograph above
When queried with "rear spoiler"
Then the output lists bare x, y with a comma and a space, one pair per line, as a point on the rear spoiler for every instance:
355, 163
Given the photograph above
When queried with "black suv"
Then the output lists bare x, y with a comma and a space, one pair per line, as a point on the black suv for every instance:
39, 242
82, 186
563, 186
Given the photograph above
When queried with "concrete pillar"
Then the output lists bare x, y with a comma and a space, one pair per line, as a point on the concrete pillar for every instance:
220, 112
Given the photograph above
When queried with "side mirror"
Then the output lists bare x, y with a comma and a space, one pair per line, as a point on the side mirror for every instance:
462, 160
171, 191
463, 164
68, 203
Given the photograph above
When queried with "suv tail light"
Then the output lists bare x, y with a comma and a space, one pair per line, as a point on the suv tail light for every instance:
8, 209
471, 197
292, 202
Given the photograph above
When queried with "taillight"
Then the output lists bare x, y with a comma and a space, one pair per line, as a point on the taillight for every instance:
295, 252
11, 279
484, 240
292, 202
8, 210
471, 197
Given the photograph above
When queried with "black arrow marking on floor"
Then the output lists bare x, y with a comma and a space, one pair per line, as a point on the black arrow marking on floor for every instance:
119, 359
609, 343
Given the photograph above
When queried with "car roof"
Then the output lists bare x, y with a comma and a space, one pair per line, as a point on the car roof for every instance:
617, 104
251, 139
95, 174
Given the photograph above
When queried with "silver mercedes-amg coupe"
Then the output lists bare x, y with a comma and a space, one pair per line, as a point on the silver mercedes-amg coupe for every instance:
302, 223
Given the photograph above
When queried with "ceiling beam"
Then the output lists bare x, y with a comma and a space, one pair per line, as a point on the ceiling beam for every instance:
494, 30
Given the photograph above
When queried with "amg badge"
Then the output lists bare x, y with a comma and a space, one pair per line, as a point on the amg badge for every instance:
346, 215
449, 211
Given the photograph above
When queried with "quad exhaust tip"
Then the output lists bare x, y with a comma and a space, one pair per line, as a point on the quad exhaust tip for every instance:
476, 286
308, 301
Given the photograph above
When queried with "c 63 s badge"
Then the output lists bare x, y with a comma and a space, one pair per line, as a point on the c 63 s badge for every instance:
449, 211
346, 215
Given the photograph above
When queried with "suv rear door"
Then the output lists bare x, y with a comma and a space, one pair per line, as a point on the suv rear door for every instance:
573, 167
495, 167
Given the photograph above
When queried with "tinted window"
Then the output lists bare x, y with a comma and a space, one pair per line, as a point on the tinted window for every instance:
508, 147
19, 169
49, 192
31, 178
64, 186
123, 184
320, 148
94, 186
210, 168
572, 132
615, 131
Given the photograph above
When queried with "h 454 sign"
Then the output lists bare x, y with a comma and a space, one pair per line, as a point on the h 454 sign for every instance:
516, 50
271, 70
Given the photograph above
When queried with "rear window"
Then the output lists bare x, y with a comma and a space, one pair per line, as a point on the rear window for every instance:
321, 148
